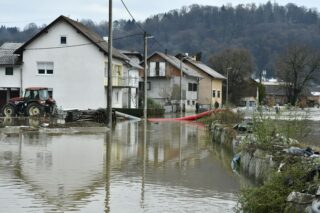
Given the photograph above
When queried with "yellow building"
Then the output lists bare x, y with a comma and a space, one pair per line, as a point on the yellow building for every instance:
210, 85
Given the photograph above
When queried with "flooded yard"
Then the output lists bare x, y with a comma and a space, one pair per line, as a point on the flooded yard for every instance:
165, 167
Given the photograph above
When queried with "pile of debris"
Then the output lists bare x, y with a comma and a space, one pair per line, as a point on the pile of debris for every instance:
98, 116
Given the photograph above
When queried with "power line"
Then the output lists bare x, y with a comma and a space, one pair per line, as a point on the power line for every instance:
127, 36
23, 21
76, 45
125, 6
143, 30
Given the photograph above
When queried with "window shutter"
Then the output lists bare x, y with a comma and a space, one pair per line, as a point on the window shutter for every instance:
162, 69
152, 69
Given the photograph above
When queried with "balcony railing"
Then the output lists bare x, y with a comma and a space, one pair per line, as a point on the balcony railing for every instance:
123, 81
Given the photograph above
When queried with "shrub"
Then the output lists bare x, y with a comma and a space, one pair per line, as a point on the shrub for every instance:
271, 197
152, 104
227, 117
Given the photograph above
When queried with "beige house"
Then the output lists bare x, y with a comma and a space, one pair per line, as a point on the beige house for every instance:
166, 82
210, 85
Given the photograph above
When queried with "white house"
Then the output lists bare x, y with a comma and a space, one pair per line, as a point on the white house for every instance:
131, 94
10, 72
72, 61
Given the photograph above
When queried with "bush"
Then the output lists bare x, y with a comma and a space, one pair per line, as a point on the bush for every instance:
223, 117
152, 104
266, 129
271, 197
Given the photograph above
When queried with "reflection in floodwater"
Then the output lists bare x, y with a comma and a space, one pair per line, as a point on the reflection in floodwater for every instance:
138, 167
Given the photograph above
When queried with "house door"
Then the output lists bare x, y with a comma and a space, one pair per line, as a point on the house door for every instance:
3, 98
7, 94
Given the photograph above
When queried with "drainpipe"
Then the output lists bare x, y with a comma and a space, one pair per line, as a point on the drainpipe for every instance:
21, 82
211, 82
109, 95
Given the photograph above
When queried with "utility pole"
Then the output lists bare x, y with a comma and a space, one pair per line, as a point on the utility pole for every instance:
145, 77
181, 74
227, 94
109, 96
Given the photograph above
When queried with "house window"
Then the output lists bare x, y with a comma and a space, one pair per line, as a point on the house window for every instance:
45, 68
218, 94
9, 70
193, 102
188, 102
195, 87
192, 87
63, 40
157, 68
213, 93
50, 92
117, 97
141, 86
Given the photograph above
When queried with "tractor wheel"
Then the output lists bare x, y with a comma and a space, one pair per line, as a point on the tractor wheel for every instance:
34, 109
8, 110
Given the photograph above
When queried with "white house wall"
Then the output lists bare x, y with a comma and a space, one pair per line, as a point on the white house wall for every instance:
78, 78
10, 81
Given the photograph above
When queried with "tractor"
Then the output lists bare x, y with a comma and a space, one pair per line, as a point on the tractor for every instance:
36, 101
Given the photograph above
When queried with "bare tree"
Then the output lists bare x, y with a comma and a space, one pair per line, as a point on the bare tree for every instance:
297, 67
239, 65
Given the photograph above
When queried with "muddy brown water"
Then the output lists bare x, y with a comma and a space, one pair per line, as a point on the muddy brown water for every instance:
174, 169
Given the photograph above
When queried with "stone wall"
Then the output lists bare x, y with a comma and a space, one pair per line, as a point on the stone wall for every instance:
255, 163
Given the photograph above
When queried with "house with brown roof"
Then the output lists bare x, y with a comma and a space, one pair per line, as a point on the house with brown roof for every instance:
210, 83
275, 92
164, 75
72, 61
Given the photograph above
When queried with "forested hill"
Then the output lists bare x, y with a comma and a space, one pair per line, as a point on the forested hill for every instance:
265, 30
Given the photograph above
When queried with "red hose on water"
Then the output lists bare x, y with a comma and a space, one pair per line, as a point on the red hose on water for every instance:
186, 118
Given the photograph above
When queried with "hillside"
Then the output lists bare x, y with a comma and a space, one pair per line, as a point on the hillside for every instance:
265, 30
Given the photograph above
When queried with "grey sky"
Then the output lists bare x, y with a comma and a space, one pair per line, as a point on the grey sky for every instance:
20, 12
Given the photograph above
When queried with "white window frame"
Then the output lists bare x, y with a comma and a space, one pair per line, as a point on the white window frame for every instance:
45, 65
5, 71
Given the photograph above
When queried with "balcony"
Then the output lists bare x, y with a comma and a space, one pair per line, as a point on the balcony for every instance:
123, 82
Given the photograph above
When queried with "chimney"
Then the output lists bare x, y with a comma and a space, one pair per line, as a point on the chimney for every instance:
198, 56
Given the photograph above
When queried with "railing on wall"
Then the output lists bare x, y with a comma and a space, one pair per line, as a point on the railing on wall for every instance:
123, 81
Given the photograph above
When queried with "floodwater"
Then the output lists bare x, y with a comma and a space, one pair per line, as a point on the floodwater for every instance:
312, 133
165, 167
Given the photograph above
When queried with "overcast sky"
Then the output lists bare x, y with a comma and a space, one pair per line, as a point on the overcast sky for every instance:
21, 12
